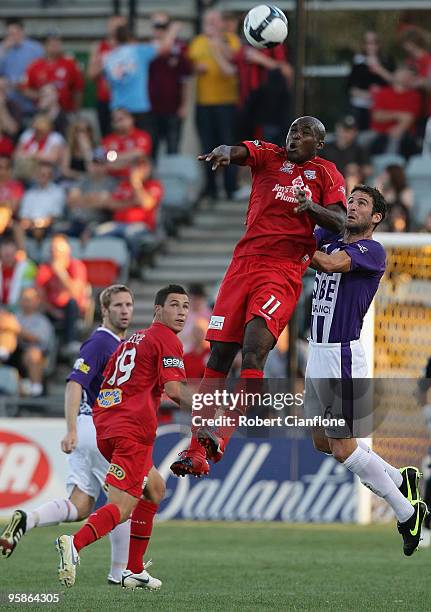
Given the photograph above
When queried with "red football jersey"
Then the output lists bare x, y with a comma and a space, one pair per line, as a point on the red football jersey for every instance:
11, 191
387, 98
273, 228
136, 213
136, 139
63, 72
130, 394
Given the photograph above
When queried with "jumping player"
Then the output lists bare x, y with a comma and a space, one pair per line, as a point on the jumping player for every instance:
87, 467
349, 268
263, 283
125, 417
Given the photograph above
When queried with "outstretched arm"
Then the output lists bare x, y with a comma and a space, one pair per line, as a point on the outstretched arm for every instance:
331, 217
225, 155
335, 262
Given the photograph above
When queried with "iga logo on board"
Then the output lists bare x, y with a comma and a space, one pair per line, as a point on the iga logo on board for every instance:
24, 469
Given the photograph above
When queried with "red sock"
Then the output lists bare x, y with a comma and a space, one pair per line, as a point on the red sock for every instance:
227, 431
98, 525
141, 527
211, 381
250, 373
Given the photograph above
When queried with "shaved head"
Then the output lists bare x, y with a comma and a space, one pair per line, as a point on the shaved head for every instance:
306, 136
316, 124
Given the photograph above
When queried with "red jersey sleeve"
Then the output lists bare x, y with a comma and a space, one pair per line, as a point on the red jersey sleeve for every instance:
77, 77
259, 151
44, 274
30, 77
334, 187
171, 363
143, 141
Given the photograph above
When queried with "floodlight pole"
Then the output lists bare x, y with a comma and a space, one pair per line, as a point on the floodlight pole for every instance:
299, 55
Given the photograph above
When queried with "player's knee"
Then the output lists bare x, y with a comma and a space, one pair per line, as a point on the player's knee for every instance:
156, 489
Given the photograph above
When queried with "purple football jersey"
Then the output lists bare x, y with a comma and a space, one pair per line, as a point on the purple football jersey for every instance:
88, 368
341, 300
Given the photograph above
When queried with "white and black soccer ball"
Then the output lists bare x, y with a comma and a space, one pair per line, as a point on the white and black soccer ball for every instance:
265, 26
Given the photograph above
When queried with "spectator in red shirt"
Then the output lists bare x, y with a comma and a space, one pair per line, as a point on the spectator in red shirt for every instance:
38, 144
63, 289
169, 81
95, 72
265, 79
195, 360
11, 192
126, 144
135, 203
414, 42
394, 113
57, 68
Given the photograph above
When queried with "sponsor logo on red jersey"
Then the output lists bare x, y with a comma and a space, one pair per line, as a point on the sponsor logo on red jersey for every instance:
173, 362
109, 397
117, 471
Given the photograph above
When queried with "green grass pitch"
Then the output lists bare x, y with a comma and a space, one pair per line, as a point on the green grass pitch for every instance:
236, 566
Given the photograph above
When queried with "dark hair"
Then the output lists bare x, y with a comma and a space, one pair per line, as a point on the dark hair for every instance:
8, 239
15, 21
122, 34
397, 177
379, 202
163, 293
106, 295
197, 289
417, 37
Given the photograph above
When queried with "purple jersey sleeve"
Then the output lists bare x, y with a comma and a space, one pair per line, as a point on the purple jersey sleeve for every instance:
88, 364
323, 236
367, 256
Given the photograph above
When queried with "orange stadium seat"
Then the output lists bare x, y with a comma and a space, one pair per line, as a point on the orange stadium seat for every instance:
101, 272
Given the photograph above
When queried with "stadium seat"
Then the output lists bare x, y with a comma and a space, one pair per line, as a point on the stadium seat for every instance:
104, 248
380, 162
101, 272
419, 177
182, 181
8, 380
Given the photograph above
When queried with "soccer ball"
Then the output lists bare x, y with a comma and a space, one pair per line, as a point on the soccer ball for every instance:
265, 26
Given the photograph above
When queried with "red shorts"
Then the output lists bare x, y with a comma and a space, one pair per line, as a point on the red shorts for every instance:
255, 286
130, 463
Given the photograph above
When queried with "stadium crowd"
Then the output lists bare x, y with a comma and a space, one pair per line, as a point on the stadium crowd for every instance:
67, 178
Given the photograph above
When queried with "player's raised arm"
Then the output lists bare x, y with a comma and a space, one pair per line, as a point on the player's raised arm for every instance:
225, 155
72, 399
335, 262
332, 218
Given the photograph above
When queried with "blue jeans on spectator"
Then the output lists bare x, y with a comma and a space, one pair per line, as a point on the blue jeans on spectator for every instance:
216, 126
166, 128
132, 234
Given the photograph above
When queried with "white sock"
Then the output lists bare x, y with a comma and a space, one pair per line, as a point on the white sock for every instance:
393, 472
374, 476
120, 537
52, 513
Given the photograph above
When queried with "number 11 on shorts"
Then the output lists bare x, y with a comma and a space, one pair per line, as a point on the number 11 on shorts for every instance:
269, 303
